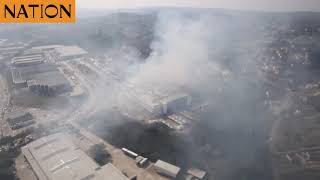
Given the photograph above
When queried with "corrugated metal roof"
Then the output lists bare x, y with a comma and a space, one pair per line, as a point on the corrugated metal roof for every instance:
38, 68
27, 57
60, 159
55, 157
54, 78
44, 74
109, 172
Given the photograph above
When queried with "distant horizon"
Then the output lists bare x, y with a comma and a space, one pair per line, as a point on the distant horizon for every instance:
241, 5
206, 8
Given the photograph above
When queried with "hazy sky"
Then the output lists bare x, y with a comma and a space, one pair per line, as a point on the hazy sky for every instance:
267, 5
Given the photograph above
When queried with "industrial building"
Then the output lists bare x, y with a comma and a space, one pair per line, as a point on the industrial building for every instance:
19, 119
195, 174
18, 116
33, 52
43, 79
157, 101
163, 104
9, 49
176, 102
62, 52
56, 157
26, 60
166, 169
20, 75
70, 52
31, 70
46, 48
49, 83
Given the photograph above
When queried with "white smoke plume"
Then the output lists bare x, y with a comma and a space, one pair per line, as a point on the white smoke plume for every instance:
180, 54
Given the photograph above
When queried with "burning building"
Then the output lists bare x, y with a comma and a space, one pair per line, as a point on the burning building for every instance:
162, 104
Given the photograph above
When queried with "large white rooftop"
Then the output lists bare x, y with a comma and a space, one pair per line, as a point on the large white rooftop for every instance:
63, 51
55, 157
66, 51
46, 47
167, 168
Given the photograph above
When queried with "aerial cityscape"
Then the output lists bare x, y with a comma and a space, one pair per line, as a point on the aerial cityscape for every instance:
162, 93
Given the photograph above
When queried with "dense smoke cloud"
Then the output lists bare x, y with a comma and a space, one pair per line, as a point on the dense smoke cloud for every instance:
180, 54
200, 53
220, 59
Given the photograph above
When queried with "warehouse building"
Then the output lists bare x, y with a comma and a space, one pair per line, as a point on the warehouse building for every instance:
19, 119
62, 52
10, 49
6, 49
17, 78
43, 79
27, 60
195, 174
166, 169
176, 103
157, 101
48, 83
33, 52
70, 52
17, 116
46, 48
56, 157
163, 104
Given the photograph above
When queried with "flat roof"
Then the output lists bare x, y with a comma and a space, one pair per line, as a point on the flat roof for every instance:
174, 97
66, 51
15, 114
152, 100
53, 78
27, 61
32, 51
11, 48
197, 173
38, 68
27, 56
45, 73
22, 74
151, 96
46, 47
168, 167
37, 58
109, 172
56, 157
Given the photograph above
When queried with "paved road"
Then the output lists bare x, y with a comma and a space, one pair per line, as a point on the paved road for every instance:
89, 85
2, 86
4, 98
